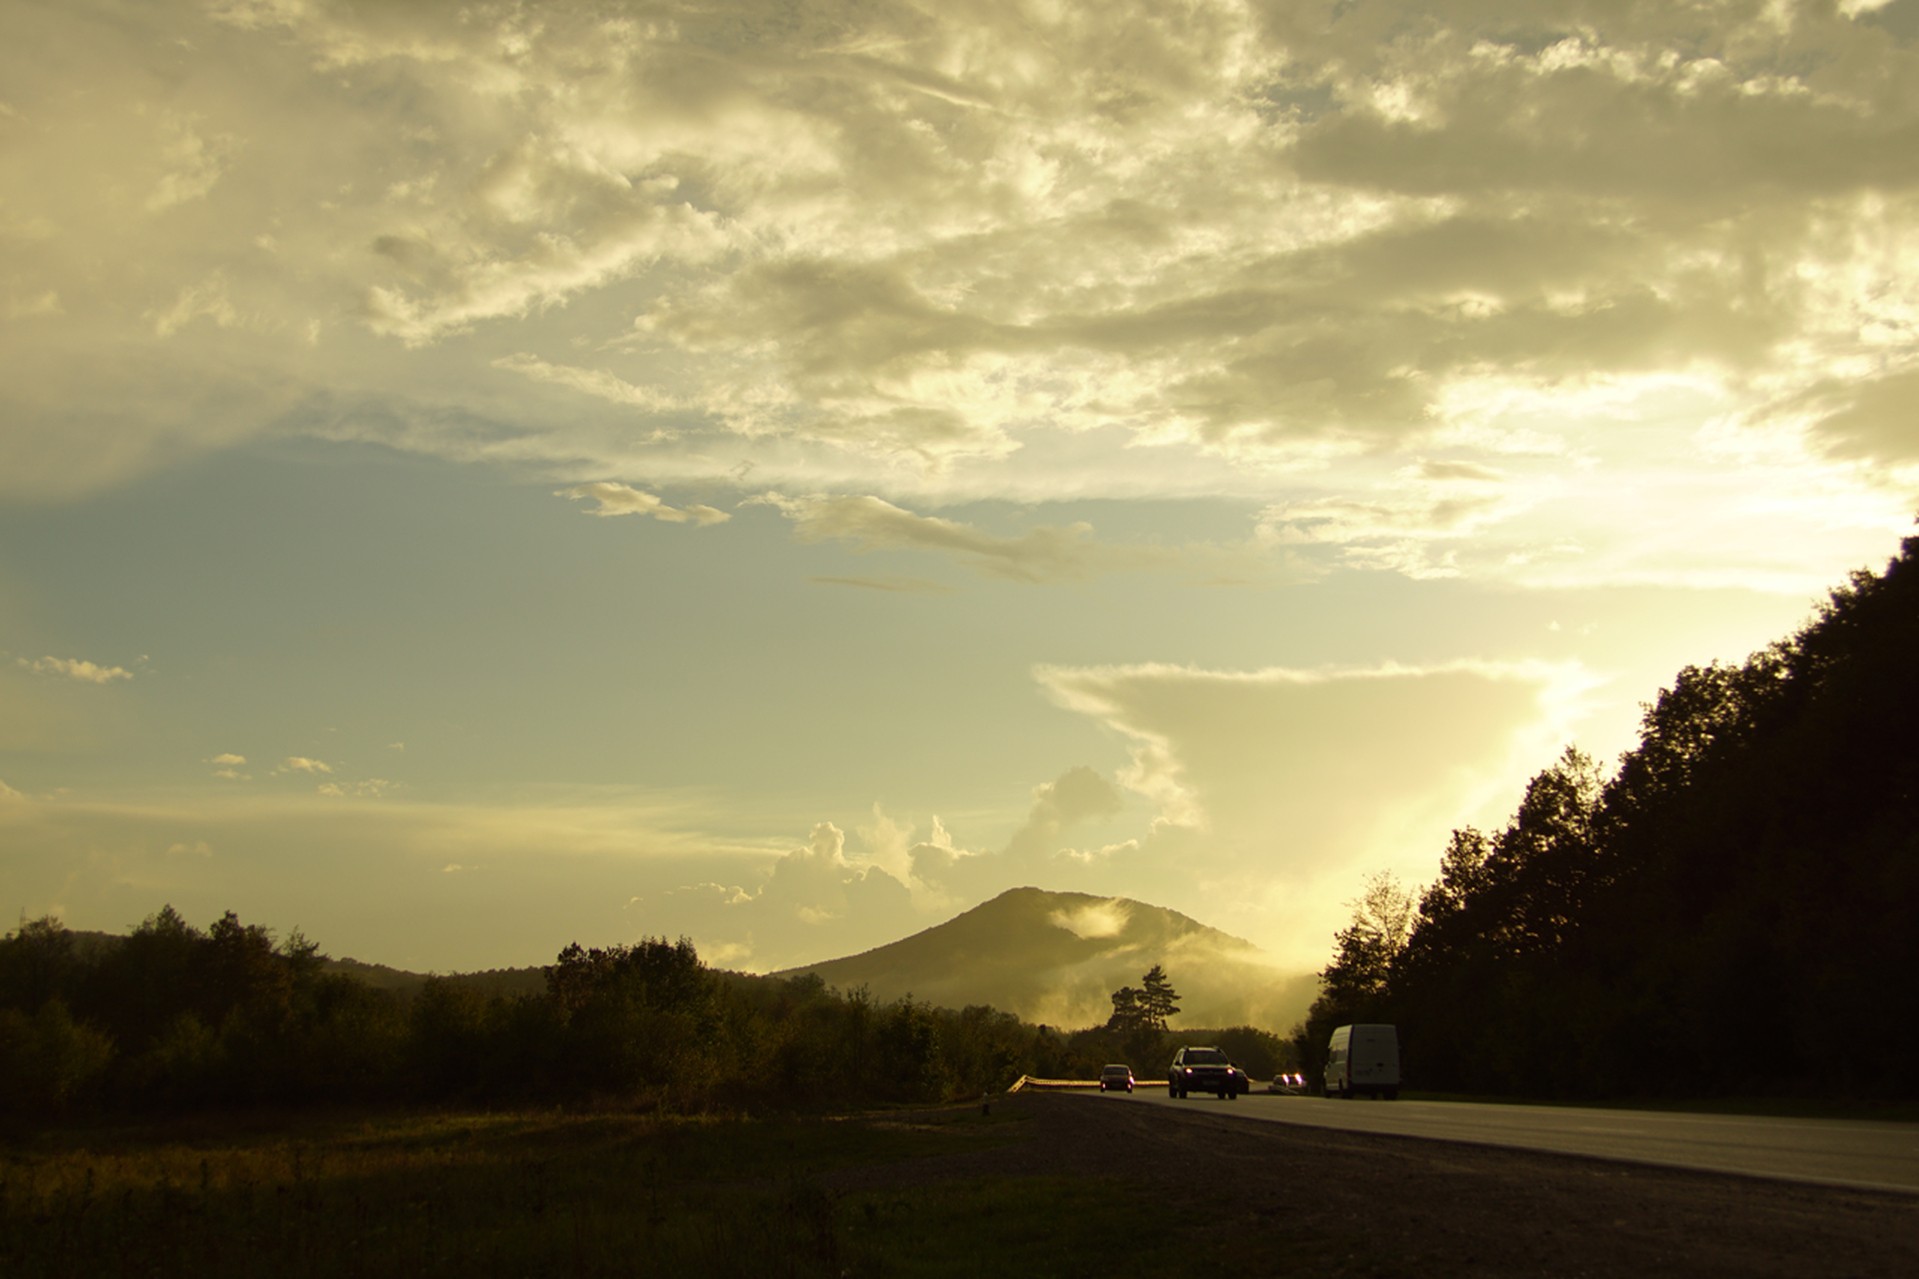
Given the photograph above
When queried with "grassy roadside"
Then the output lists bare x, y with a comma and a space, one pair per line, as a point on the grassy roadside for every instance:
529, 1193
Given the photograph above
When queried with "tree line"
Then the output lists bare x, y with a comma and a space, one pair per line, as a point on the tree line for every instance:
173, 1017
1730, 912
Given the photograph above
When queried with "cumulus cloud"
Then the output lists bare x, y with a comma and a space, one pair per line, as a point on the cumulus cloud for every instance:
75, 668
1077, 795
302, 764
612, 499
820, 885
811, 901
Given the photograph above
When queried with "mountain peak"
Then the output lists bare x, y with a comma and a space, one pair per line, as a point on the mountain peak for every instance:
1056, 957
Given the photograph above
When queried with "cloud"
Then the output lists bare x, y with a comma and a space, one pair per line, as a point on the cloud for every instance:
195, 164
932, 257
197, 848
595, 382
1409, 525
367, 788
619, 499
75, 668
302, 764
228, 760
1863, 417
812, 901
890, 585
1210, 744
1094, 920
1077, 795
204, 300
1043, 554
1269, 782
820, 885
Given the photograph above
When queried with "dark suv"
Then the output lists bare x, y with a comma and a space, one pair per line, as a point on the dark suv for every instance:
1204, 1070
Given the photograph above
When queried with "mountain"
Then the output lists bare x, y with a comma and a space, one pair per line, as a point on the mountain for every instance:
90, 946
1056, 958
492, 981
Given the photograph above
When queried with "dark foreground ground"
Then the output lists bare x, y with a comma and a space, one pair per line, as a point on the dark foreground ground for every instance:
1262, 1197
1042, 1186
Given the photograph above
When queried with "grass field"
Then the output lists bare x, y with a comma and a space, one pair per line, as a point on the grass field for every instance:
551, 1193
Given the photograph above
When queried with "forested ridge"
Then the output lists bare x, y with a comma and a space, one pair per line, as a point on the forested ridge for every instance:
1735, 910
173, 1017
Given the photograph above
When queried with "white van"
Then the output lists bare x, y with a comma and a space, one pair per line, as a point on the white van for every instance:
1363, 1059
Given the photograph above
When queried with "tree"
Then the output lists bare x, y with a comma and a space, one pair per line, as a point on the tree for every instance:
1144, 1007
1382, 920
1128, 1013
1158, 1000
37, 964
1354, 986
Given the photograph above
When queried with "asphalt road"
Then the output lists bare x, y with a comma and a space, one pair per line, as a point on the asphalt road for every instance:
1838, 1152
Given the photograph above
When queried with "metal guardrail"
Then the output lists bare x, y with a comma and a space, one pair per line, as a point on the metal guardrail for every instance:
1063, 1085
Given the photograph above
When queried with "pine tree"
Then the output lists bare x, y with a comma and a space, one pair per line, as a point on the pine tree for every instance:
1158, 1000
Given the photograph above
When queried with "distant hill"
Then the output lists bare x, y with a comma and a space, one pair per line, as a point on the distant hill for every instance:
493, 981
1055, 958
91, 945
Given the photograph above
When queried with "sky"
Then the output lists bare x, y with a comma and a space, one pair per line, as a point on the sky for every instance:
475, 478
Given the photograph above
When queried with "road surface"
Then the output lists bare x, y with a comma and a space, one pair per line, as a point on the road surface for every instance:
1839, 1152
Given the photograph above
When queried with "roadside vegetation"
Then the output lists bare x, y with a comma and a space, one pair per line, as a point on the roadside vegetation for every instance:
1730, 913
538, 1192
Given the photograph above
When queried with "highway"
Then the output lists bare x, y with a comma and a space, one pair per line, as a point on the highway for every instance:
1837, 1152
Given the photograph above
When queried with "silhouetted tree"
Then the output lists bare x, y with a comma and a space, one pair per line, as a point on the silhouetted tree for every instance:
1129, 1010
1158, 1001
1743, 883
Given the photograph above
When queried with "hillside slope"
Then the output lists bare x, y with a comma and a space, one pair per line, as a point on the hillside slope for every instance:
1056, 958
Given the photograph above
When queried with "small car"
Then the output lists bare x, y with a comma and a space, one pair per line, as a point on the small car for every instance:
1115, 1077
1288, 1082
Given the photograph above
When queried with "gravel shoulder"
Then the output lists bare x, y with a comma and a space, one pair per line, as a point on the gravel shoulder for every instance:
1378, 1205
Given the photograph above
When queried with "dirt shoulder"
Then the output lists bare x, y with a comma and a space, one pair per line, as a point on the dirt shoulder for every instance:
1377, 1205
